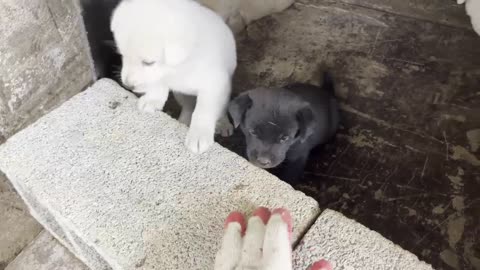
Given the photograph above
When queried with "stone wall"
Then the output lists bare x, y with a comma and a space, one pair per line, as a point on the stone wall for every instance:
44, 59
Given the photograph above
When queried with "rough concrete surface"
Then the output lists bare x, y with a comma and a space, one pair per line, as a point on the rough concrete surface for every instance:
407, 154
44, 59
46, 253
17, 227
446, 12
350, 245
120, 189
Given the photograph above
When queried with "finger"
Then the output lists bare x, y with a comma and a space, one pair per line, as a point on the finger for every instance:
287, 218
229, 254
253, 240
277, 249
321, 265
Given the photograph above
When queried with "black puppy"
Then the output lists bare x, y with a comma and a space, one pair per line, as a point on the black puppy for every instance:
282, 125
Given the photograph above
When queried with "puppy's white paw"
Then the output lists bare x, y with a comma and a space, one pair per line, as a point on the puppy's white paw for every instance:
199, 139
224, 127
149, 105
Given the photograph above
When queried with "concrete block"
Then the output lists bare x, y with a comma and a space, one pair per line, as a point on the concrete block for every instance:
46, 253
121, 191
17, 227
351, 246
44, 59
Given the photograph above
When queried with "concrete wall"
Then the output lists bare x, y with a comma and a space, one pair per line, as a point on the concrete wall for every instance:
44, 59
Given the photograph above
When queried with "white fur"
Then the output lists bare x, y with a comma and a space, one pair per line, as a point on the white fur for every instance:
473, 10
182, 46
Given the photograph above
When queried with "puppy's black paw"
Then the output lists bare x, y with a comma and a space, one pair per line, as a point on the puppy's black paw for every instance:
288, 173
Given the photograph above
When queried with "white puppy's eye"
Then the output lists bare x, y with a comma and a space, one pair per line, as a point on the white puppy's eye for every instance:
147, 63
252, 131
284, 138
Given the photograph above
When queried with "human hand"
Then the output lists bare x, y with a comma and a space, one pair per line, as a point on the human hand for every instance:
262, 244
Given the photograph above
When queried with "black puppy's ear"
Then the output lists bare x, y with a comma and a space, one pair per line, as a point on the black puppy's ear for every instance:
305, 123
238, 107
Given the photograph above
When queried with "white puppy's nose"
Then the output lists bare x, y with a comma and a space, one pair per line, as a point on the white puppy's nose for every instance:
128, 84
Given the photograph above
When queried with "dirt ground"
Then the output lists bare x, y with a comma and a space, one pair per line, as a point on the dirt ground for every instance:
406, 161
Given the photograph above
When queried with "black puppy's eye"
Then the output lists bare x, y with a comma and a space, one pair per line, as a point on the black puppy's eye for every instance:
284, 138
252, 132
147, 63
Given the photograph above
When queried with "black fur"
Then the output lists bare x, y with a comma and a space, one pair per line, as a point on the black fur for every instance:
97, 15
282, 125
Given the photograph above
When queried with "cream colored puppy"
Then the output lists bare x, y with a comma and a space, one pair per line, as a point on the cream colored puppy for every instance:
182, 46
473, 10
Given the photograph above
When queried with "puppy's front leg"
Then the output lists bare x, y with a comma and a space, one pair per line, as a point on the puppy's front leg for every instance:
211, 104
292, 170
224, 127
188, 105
154, 98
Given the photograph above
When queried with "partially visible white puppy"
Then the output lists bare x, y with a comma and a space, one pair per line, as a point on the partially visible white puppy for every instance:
182, 46
473, 10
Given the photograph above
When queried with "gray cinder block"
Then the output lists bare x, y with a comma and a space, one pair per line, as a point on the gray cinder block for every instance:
120, 189
348, 245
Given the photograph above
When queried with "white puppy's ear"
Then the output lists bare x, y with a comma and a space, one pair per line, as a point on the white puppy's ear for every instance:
116, 17
305, 123
238, 107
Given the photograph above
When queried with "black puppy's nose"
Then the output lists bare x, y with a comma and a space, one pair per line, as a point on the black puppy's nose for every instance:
264, 161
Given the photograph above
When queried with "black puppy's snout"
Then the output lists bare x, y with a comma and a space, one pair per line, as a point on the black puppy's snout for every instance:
264, 161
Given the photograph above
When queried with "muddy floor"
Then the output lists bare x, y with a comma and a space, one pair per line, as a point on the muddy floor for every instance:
406, 162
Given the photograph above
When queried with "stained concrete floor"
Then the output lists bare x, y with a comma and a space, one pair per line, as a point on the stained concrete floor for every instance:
406, 162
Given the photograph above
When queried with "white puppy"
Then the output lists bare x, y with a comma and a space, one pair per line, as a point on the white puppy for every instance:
182, 46
473, 10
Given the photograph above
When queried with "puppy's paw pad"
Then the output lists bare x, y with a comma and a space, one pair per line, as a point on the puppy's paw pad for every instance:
224, 127
149, 105
198, 141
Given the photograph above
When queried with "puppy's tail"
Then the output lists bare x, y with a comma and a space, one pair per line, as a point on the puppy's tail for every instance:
328, 84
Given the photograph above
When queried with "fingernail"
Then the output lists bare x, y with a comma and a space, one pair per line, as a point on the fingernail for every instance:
238, 218
263, 213
286, 216
321, 265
